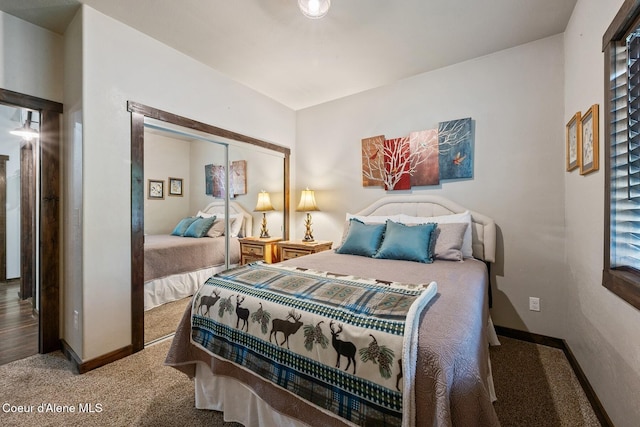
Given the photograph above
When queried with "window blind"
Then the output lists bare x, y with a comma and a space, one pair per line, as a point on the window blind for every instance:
625, 155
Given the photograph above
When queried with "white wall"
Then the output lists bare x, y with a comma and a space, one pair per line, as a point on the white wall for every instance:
10, 146
32, 63
602, 328
72, 172
121, 64
515, 100
166, 157
264, 172
203, 153
32, 59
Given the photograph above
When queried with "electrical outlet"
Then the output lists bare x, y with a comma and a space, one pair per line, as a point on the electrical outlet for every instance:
76, 315
534, 304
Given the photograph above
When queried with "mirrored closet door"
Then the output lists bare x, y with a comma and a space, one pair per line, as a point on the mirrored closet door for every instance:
195, 191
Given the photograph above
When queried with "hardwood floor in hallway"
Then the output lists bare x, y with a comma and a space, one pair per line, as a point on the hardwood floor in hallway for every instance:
18, 324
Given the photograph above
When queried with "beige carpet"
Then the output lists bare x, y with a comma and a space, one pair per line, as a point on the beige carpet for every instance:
535, 387
163, 320
135, 391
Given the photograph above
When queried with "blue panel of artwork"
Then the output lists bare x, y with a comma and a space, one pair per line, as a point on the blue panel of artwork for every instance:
455, 144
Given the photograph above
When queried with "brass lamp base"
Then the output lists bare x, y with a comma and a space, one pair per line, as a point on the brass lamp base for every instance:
264, 232
308, 234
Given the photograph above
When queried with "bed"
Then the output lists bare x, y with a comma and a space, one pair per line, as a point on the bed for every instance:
175, 266
451, 382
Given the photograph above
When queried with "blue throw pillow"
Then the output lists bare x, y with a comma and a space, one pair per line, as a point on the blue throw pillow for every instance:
200, 227
183, 225
410, 243
362, 239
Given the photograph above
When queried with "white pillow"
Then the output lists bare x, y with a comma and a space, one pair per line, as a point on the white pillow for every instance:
374, 219
464, 217
207, 215
217, 229
236, 224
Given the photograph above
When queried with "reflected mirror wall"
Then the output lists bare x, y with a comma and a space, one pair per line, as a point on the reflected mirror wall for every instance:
166, 146
176, 154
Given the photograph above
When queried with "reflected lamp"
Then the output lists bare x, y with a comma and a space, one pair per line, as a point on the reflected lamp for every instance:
264, 205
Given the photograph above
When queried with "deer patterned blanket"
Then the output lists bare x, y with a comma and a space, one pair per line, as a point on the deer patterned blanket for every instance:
346, 344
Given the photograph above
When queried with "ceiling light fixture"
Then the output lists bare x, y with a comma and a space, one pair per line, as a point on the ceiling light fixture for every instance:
26, 131
314, 9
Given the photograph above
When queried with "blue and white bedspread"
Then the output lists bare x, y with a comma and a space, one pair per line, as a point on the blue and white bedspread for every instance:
345, 344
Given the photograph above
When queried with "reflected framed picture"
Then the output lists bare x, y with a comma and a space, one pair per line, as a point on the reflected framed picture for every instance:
588, 151
574, 135
238, 177
175, 187
155, 189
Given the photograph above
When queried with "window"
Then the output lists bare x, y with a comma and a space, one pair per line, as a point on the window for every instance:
621, 45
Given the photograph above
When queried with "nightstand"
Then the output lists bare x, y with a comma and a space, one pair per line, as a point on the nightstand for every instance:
257, 249
296, 248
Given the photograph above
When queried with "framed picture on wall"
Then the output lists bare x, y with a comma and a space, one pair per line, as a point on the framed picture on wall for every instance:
155, 189
574, 134
175, 186
589, 141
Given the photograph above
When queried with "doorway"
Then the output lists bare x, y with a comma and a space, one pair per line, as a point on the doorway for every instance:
40, 226
18, 292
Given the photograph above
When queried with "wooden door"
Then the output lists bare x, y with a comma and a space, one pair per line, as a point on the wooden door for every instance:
27, 221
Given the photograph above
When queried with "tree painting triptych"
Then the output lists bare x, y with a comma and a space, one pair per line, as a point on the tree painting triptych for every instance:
421, 158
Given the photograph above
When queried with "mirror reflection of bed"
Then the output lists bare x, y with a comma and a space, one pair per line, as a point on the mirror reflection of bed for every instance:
176, 265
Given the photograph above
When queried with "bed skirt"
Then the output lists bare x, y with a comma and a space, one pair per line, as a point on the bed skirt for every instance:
238, 402
177, 286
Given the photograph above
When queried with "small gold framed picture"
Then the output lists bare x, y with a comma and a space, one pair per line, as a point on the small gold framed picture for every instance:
155, 189
175, 186
589, 141
574, 134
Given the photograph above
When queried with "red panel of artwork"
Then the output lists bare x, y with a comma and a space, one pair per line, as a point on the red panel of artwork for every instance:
396, 164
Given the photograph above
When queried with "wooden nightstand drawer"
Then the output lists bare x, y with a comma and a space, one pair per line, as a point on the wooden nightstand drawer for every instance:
254, 250
293, 253
293, 249
246, 259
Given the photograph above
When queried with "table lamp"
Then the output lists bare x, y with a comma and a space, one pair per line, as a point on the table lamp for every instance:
264, 205
307, 204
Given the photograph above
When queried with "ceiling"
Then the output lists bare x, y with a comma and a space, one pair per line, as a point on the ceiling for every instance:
268, 45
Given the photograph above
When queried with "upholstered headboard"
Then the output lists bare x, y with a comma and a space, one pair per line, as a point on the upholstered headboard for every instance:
217, 206
484, 228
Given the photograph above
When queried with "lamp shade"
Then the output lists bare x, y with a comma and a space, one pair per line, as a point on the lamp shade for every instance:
307, 201
264, 202
314, 9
